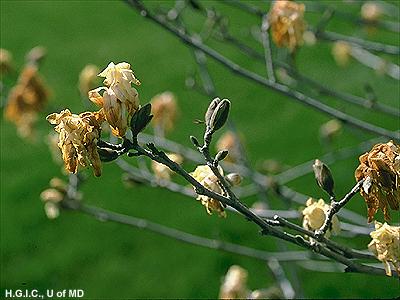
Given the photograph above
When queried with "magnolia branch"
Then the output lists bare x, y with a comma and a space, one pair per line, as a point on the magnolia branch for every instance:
235, 68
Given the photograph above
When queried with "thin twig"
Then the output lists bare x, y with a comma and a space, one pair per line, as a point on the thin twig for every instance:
104, 215
335, 207
300, 97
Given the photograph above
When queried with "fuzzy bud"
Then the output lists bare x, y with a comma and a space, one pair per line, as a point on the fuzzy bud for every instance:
324, 177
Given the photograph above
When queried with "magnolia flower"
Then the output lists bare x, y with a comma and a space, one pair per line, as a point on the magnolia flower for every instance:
341, 52
206, 177
380, 169
229, 141
235, 284
162, 171
119, 99
25, 100
385, 245
87, 79
78, 135
164, 109
286, 19
314, 216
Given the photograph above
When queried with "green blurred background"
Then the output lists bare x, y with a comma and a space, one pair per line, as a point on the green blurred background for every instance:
114, 261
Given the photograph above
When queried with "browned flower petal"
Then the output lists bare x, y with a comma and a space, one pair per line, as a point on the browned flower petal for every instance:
70, 157
380, 166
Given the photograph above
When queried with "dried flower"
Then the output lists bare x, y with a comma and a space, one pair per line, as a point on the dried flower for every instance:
371, 11
207, 178
314, 216
341, 52
6, 65
164, 109
380, 168
385, 245
119, 100
286, 19
235, 284
87, 79
25, 100
229, 141
78, 135
162, 171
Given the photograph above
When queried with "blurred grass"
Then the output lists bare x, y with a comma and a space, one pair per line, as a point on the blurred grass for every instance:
114, 261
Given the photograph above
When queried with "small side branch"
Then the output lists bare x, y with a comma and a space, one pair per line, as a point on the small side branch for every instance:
335, 207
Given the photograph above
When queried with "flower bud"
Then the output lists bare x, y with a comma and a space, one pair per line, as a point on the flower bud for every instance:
210, 110
141, 119
341, 52
330, 129
194, 141
371, 11
324, 177
217, 113
221, 155
58, 184
51, 195
51, 209
233, 179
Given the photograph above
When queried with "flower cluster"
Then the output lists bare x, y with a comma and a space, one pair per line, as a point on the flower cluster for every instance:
385, 245
380, 169
26, 100
53, 196
314, 216
165, 110
207, 178
78, 136
119, 99
162, 171
286, 19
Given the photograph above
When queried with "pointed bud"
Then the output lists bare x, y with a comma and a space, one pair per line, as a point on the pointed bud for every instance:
323, 177
141, 119
210, 111
194, 141
220, 115
221, 155
233, 179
